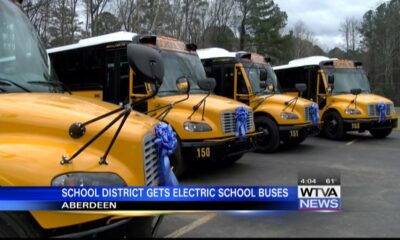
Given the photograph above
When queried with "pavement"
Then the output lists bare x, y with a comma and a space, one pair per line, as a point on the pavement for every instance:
370, 179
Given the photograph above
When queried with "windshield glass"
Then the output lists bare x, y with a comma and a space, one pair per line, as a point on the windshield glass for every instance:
253, 73
347, 79
23, 58
178, 65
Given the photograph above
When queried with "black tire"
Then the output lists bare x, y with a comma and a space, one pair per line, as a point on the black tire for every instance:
233, 159
178, 163
294, 141
19, 225
140, 227
333, 126
380, 133
270, 140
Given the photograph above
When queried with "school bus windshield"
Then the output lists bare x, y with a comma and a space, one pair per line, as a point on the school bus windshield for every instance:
253, 73
178, 65
24, 65
348, 79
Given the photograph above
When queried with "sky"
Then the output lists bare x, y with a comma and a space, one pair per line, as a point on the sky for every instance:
323, 17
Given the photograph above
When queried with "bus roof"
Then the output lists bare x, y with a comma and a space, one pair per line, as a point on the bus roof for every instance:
107, 38
209, 53
307, 61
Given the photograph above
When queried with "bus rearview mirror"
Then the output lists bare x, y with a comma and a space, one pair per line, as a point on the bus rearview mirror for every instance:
356, 91
331, 79
146, 63
301, 87
263, 84
263, 75
207, 84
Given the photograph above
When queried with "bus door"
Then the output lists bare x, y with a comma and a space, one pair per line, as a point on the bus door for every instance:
321, 91
116, 86
242, 93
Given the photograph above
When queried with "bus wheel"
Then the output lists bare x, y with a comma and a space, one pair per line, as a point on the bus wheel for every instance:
233, 159
18, 225
294, 141
178, 164
270, 140
380, 133
333, 126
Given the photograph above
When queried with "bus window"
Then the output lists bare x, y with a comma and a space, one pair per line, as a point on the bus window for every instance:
216, 73
124, 78
228, 85
241, 87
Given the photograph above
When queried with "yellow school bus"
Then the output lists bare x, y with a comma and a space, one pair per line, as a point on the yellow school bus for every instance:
206, 124
249, 78
46, 139
342, 91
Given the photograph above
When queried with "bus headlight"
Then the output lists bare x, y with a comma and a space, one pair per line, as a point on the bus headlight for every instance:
87, 179
289, 116
350, 111
197, 127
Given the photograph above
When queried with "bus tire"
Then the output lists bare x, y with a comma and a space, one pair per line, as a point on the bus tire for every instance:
333, 126
178, 163
19, 225
270, 141
380, 133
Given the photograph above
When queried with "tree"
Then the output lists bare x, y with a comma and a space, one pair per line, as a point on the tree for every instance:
106, 23
351, 35
265, 25
380, 30
303, 42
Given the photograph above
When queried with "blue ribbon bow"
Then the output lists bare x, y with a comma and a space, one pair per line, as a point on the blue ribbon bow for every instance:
166, 143
381, 111
241, 114
314, 113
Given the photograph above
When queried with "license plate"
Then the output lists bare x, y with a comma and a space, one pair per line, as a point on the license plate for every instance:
294, 133
355, 125
203, 152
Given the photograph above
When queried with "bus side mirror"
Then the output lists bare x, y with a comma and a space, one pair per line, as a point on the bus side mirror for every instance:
301, 87
146, 63
263, 84
356, 91
207, 84
263, 75
331, 79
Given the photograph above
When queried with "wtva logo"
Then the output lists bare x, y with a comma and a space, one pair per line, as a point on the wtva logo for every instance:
319, 198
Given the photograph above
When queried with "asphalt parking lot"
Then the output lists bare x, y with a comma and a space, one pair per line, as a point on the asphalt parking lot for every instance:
370, 178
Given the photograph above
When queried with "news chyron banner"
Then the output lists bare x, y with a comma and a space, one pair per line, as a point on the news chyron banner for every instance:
313, 193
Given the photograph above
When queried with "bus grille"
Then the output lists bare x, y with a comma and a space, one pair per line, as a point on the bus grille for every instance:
307, 114
229, 122
373, 109
150, 154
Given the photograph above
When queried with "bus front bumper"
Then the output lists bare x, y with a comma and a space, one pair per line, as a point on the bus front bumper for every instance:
218, 149
298, 131
362, 125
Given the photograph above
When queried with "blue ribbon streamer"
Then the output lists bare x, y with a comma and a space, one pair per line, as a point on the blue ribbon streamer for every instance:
241, 114
381, 111
166, 143
314, 113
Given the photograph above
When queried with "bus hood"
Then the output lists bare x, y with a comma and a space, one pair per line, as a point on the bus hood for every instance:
214, 103
364, 98
59, 109
281, 99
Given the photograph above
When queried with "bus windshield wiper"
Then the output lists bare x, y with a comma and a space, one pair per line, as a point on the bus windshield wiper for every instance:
4, 81
52, 83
